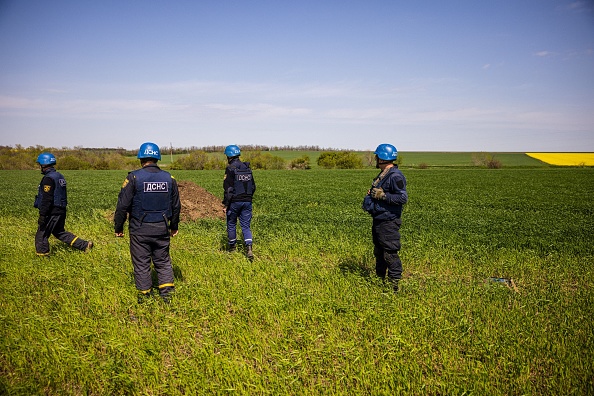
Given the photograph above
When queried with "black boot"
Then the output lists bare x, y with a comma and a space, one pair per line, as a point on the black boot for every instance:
232, 248
145, 296
166, 293
166, 297
394, 284
249, 254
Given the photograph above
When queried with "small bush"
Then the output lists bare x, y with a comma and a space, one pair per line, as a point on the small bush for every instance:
340, 160
300, 163
260, 160
199, 160
72, 162
494, 164
486, 160
369, 158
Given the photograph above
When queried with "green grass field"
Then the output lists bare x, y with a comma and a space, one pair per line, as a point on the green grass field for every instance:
465, 159
413, 159
308, 315
431, 159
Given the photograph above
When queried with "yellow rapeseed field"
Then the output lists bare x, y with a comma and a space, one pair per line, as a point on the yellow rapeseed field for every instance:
569, 159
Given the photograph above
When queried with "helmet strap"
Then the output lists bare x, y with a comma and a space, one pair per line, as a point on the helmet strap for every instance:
379, 162
384, 164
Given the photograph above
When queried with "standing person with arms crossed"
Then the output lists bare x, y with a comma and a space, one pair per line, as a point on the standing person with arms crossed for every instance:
239, 187
384, 202
150, 197
51, 201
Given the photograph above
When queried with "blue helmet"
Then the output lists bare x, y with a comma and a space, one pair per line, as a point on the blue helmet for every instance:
232, 151
149, 150
386, 152
46, 159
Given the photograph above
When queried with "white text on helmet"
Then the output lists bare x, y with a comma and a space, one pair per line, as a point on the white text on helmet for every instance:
149, 151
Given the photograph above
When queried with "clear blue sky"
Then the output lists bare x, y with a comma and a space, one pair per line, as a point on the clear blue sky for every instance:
427, 75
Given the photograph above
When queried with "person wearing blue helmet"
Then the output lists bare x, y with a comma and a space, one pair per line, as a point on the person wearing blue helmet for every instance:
51, 201
149, 198
384, 202
239, 188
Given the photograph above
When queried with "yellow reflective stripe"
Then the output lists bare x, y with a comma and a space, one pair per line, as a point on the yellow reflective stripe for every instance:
165, 285
145, 291
42, 254
72, 243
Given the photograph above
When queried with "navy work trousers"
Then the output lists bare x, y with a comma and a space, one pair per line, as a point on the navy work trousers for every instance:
54, 225
146, 249
386, 241
243, 212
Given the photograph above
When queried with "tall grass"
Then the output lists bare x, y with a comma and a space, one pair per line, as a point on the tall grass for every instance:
308, 315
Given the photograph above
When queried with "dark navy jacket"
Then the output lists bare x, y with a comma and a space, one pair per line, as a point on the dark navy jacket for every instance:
394, 185
51, 195
239, 184
151, 197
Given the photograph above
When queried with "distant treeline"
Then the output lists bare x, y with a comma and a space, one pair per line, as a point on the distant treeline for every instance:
216, 149
250, 147
196, 158
22, 158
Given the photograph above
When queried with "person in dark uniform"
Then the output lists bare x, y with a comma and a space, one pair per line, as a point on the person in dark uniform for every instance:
51, 200
384, 202
239, 187
150, 199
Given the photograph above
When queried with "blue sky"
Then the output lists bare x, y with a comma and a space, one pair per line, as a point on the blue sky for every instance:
461, 75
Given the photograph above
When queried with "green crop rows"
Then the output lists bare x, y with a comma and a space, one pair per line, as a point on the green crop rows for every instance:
308, 315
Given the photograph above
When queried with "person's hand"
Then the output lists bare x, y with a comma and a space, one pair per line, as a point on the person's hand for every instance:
173, 232
378, 193
119, 234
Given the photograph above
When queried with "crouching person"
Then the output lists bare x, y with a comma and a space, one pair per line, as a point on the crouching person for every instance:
51, 201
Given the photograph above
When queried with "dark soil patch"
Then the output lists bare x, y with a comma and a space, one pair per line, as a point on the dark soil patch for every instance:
197, 203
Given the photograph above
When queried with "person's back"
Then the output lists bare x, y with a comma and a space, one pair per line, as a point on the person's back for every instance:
239, 187
151, 197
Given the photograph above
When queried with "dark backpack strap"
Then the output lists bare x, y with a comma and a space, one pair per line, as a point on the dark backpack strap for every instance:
381, 180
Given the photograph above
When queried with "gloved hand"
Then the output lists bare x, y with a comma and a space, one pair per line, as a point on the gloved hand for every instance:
378, 193
41, 220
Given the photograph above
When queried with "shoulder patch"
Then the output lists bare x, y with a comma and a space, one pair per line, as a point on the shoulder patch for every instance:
47, 188
126, 181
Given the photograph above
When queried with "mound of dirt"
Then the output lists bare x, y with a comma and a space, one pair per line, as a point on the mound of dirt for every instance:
197, 203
